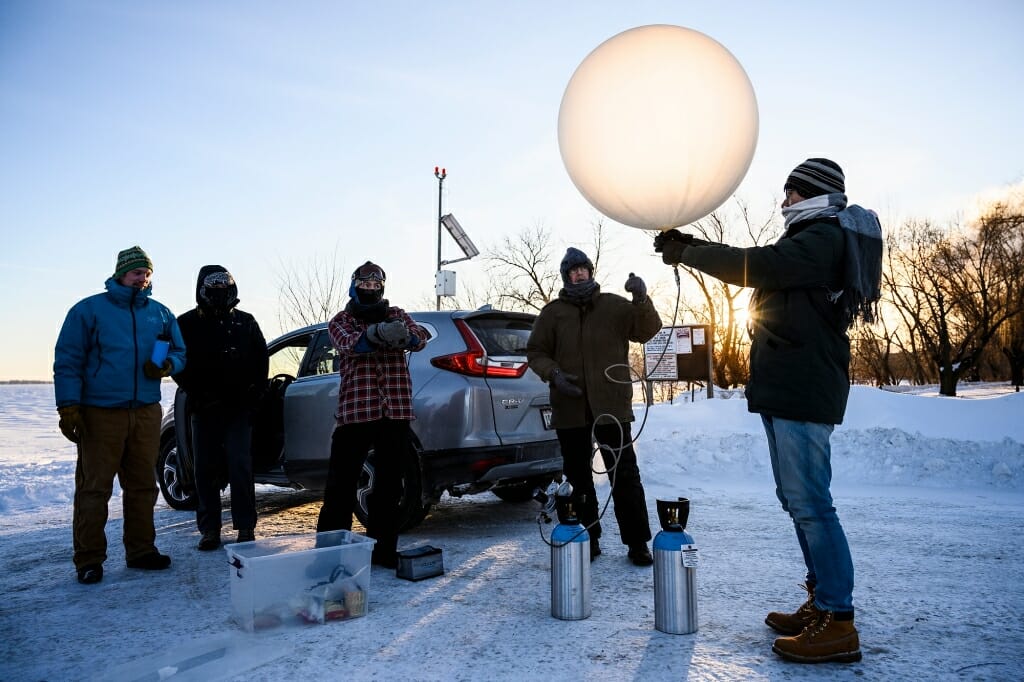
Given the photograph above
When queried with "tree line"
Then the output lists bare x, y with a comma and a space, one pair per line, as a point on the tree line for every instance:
952, 303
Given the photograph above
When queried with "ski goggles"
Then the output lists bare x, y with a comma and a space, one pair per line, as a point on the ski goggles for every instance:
218, 280
368, 272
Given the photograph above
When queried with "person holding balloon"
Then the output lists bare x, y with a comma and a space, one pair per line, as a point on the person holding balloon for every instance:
580, 345
819, 278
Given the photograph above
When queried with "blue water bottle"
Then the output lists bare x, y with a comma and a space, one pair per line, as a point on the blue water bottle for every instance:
160, 348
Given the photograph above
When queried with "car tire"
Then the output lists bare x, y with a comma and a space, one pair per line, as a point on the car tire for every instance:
411, 509
522, 491
169, 475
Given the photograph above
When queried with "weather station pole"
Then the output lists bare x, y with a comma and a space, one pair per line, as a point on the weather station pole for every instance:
440, 174
444, 280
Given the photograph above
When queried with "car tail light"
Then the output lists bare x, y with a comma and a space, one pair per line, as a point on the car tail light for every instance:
474, 361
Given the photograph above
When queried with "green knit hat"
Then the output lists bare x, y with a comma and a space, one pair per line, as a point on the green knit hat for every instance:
130, 259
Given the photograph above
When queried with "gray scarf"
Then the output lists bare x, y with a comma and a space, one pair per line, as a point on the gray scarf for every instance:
862, 235
579, 293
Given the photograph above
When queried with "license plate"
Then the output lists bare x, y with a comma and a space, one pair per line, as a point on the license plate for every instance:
545, 414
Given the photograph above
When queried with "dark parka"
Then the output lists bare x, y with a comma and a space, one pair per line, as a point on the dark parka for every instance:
226, 355
799, 351
585, 341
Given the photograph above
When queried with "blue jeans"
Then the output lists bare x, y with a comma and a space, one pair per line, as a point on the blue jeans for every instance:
802, 467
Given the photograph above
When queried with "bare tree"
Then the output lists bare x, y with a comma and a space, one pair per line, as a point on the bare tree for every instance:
953, 291
524, 268
313, 292
522, 277
1004, 220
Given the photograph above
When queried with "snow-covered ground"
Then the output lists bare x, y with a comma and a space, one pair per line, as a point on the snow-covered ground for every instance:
929, 489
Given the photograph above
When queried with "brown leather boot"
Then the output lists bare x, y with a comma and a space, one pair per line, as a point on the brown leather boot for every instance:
824, 640
794, 623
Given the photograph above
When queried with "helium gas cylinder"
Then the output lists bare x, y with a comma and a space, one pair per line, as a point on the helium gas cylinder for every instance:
570, 562
675, 570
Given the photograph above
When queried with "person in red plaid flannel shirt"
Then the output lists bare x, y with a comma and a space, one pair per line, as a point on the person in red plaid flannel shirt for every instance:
374, 409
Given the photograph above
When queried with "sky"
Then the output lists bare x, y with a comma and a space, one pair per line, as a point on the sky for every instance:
930, 491
269, 138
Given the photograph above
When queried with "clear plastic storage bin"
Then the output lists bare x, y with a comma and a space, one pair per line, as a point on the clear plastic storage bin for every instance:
299, 579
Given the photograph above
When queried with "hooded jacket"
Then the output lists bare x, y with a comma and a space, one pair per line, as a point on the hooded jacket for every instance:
227, 354
104, 343
799, 351
586, 340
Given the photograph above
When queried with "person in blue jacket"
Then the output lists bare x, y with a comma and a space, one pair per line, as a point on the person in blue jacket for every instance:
108, 396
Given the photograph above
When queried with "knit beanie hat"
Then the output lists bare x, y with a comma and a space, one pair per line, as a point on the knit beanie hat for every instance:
816, 176
130, 259
574, 258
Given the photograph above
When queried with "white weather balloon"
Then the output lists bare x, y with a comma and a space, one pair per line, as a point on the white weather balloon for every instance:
658, 126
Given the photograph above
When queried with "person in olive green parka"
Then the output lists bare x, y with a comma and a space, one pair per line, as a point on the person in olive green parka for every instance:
580, 345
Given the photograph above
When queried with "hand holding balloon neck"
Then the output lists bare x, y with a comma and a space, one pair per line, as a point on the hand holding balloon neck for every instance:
671, 244
671, 236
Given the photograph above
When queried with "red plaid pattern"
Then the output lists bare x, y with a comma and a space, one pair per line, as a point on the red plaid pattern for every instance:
374, 385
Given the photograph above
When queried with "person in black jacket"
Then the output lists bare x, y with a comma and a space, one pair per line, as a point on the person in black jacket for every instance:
225, 375
809, 287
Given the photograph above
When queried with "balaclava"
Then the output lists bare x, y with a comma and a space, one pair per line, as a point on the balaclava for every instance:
216, 290
368, 305
367, 271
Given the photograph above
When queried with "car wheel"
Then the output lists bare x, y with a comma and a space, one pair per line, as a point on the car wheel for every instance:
169, 475
411, 509
522, 491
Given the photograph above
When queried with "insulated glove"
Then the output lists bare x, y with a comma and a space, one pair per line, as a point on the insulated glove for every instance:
72, 425
566, 383
154, 372
671, 244
636, 286
394, 334
373, 334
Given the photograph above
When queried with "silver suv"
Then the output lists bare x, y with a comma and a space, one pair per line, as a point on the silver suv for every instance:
483, 420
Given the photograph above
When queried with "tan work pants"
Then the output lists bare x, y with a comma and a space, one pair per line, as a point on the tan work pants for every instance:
120, 442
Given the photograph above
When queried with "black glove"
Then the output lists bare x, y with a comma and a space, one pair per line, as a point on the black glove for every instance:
667, 236
636, 286
671, 244
72, 425
154, 372
566, 383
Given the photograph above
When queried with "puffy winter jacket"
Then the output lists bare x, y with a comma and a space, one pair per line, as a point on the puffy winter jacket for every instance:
799, 351
585, 341
104, 343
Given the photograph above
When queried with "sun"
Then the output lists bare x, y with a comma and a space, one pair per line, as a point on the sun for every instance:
741, 317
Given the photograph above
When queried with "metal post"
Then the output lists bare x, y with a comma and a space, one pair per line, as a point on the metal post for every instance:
440, 174
710, 340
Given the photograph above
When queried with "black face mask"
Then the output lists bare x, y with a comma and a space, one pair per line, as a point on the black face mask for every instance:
369, 296
220, 299
218, 292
